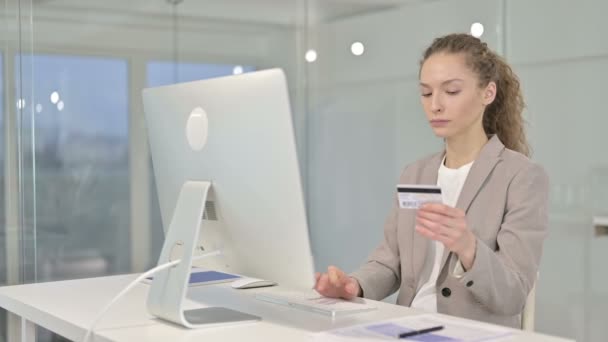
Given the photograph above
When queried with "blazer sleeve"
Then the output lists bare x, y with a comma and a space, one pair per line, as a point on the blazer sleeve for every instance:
501, 279
380, 276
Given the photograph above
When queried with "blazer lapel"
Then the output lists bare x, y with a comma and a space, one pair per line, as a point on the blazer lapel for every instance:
480, 170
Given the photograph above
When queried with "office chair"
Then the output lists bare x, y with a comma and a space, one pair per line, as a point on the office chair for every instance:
527, 316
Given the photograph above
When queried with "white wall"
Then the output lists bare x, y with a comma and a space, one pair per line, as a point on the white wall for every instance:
561, 55
366, 123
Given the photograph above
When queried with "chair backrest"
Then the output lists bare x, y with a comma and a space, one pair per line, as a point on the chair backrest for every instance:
527, 316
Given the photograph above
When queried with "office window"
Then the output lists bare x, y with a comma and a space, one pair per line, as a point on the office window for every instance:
163, 73
80, 173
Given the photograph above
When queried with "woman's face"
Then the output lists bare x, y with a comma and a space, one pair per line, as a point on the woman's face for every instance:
451, 96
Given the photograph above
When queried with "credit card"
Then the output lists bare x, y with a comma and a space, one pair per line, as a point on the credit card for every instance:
413, 196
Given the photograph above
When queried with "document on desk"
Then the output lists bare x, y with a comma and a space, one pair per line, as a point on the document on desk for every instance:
453, 330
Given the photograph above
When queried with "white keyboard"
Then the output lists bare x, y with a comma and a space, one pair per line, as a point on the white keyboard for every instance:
314, 302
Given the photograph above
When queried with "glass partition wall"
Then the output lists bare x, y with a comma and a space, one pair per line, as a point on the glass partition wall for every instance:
78, 194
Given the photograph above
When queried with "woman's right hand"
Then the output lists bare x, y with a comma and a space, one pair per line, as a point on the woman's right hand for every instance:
336, 284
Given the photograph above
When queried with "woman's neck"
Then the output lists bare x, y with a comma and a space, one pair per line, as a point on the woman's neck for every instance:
463, 149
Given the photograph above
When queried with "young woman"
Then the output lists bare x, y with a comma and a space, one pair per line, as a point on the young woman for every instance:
476, 255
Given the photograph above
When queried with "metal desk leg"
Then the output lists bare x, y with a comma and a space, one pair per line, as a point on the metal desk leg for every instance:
28, 331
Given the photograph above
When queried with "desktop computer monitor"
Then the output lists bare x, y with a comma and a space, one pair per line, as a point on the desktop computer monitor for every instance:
235, 132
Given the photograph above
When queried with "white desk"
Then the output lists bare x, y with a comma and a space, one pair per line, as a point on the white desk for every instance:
68, 307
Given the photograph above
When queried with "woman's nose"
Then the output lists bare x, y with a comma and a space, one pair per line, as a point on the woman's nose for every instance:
436, 105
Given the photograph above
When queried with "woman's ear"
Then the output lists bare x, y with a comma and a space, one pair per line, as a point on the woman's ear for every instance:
489, 93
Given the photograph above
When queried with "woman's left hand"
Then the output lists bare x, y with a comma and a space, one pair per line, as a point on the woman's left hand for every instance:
448, 225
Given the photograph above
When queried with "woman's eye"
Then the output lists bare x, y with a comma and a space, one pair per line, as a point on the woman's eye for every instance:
426, 95
453, 92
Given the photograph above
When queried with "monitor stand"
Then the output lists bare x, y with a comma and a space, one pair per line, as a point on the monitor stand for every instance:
169, 286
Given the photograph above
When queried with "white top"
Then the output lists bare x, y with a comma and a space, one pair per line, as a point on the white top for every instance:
451, 182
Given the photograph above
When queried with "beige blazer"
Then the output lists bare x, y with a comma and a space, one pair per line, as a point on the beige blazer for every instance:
505, 199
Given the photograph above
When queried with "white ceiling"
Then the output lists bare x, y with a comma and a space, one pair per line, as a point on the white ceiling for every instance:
277, 12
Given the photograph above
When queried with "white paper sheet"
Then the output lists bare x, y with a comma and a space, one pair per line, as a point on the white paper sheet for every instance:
453, 330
